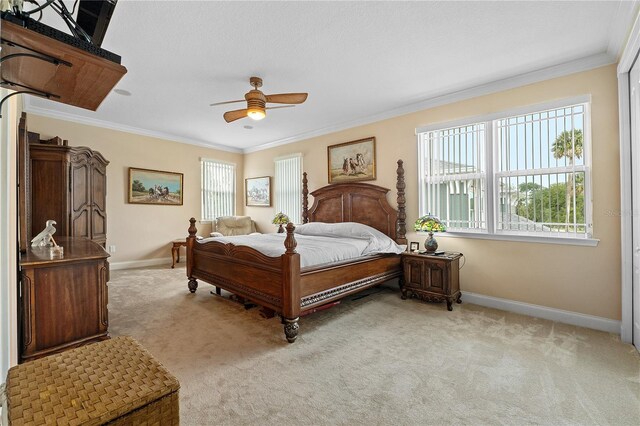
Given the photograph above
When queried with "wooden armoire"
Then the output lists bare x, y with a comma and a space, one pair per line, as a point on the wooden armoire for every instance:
62, 300
69, 185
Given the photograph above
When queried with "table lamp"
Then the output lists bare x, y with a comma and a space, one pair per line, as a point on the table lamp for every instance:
430, 224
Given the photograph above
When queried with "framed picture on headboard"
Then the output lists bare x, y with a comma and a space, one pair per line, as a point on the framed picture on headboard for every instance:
352, 161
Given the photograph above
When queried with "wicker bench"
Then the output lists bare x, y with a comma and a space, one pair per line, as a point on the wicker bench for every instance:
115, 381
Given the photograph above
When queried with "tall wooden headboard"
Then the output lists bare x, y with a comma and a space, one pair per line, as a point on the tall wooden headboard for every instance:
358, 202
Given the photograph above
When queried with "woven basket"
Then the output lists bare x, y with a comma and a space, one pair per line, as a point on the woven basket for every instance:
115, 381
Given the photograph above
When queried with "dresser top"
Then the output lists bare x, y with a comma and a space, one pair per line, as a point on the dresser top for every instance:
75, 249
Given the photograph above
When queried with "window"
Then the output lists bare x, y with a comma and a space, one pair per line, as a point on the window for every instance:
510, 174
453, 171
218, 189
288, 187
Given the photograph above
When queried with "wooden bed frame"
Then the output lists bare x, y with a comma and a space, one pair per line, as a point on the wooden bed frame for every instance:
278, 283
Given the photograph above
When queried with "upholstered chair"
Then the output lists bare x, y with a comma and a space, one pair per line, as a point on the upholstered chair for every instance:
228, 226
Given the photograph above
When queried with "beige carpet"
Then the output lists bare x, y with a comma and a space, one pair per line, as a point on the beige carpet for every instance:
377, 360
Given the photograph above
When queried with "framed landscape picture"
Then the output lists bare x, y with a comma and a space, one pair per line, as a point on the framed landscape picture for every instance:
352, 161
258, 191
155, 187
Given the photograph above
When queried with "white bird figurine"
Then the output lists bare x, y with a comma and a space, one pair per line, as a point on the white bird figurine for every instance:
44, 237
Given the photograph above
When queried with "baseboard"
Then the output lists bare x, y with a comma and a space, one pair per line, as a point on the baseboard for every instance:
559, 315
142, 263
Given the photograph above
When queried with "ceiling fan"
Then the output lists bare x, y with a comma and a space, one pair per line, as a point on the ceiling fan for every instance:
256, 102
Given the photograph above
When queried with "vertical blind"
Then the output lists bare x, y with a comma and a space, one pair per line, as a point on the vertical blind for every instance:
218, 189
288, 187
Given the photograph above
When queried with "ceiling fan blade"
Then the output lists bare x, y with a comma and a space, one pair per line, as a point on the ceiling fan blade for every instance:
230, 116
287, 98
227, 102
282, 106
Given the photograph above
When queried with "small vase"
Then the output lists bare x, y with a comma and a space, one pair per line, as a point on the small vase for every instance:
280, 229
431, 244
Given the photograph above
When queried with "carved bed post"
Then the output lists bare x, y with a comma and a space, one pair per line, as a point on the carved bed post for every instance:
401, 229
191, 240
305, 198
290, 286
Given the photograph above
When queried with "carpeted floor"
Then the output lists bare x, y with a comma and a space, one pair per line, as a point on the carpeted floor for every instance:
377, 360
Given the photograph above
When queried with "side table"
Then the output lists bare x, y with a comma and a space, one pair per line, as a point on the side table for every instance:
432, 278
175, 250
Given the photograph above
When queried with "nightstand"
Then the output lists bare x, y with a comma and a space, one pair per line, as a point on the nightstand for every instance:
431, 278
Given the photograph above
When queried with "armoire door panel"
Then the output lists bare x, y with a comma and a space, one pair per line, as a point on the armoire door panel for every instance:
80, 224
98, 224
80, 186
99, 186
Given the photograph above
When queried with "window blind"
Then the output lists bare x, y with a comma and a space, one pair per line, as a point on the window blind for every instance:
288, 187
218, 189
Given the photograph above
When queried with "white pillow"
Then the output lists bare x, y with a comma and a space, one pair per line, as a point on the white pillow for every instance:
378, 242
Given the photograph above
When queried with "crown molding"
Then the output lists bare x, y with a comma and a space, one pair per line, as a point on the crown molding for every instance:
31, 109
621, 27
571, 67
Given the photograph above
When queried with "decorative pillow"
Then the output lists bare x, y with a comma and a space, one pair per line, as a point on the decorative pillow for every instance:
378, 242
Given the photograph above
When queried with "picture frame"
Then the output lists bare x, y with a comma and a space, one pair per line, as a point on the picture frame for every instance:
352, 161
257, 191
414, 246
148, 186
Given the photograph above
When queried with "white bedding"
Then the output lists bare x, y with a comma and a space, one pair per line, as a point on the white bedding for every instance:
337, 242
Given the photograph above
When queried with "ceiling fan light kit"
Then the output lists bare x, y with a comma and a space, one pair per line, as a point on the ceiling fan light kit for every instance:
256, 102
256, 113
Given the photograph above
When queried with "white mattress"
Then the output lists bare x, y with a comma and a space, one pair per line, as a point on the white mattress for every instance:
313, 249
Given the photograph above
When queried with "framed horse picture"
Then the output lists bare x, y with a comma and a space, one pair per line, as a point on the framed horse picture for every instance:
352, 161
155, 187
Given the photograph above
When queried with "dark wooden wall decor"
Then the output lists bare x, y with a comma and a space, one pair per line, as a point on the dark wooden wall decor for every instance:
278, 283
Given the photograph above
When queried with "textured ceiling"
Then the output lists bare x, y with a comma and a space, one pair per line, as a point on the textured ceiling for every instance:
355, 59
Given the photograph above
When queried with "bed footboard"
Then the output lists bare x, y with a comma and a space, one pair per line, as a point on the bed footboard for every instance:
273, 282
